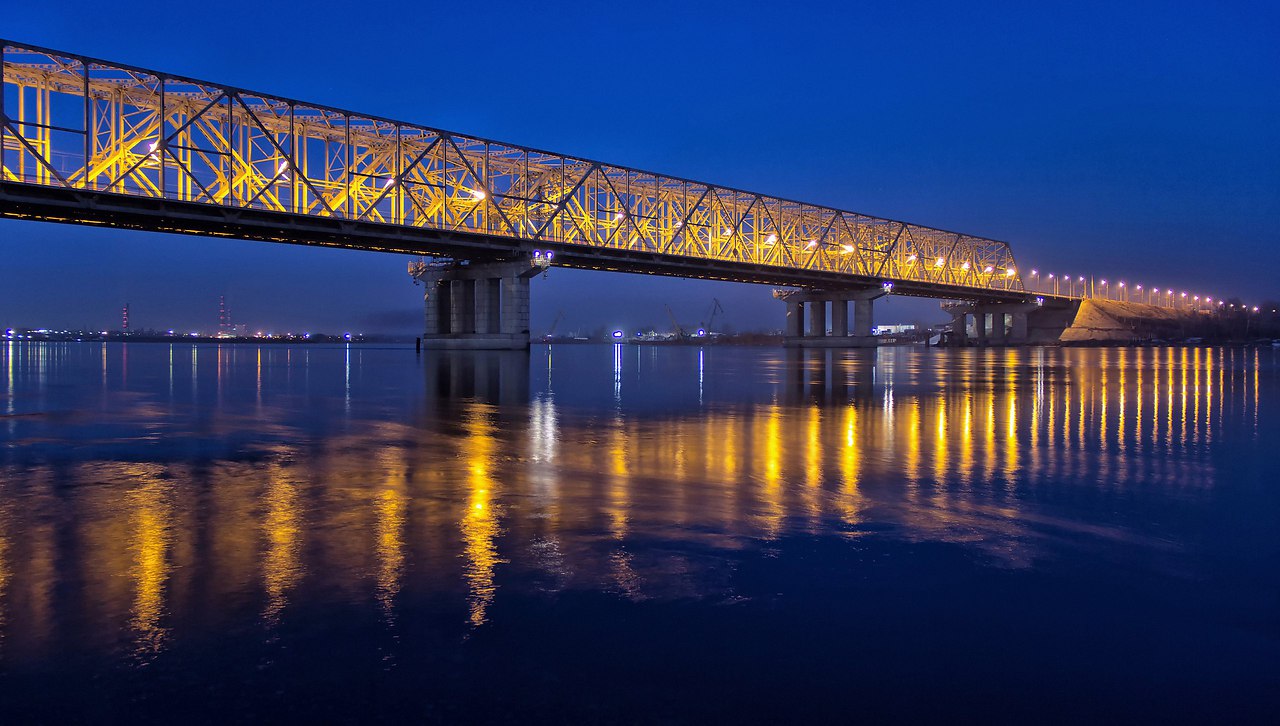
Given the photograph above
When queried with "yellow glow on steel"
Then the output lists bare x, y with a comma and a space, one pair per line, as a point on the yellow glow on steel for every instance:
198, 142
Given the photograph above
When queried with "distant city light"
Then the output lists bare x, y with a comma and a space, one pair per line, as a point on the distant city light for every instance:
617, 334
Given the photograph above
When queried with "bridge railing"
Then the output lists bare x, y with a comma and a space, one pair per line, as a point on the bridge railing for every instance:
85, 124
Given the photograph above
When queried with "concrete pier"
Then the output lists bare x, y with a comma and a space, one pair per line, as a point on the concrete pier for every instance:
476, 305
812, 304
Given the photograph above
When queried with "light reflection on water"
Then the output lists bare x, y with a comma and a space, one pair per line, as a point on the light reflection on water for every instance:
151, 490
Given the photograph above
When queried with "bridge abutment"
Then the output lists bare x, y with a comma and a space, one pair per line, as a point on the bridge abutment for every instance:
475, 305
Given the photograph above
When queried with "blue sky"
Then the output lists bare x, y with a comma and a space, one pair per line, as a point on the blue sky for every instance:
1139, 141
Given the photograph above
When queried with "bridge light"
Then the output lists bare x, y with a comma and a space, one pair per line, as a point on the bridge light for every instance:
964, 266
390, 180
812, 243
846, 249
911, 258
887, 286
1011, 272
619, 217
938, 262
771, 239
1082, 279
1039, 301
1184, 294
1050, 275
478, 195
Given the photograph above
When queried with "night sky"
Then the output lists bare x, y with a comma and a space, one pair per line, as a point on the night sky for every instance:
1137, 141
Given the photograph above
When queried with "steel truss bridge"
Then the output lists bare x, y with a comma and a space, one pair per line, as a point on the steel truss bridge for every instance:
92, 142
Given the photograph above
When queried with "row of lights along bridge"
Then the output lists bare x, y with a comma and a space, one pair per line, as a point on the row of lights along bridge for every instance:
1073, 286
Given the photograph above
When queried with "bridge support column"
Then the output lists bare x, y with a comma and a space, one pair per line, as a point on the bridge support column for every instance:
959, 328
839, 318
476, 306
815, 334
795, 319
863, 316
818, 318
1018, 330
980, 318
999, 328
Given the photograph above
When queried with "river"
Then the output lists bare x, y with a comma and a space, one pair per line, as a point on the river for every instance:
638, 533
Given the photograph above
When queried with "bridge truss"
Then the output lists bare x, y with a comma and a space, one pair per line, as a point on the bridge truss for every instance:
122, 138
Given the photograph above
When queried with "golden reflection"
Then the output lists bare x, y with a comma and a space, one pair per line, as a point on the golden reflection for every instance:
391, 506
282, 529
619, 475
1182, 421
966, 439
912, 459
604, 488
1102, 414
150, 541
940, 462
850, 465
771, 494
1011, 438
813, 463
989, 437
480, 521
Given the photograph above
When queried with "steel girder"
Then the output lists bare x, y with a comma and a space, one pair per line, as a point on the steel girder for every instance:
78, 124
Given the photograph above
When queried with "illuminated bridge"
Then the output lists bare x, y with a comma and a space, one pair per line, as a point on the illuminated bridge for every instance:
91, 142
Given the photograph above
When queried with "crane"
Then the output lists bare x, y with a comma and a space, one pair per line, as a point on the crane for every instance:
552, 330
711, 317
679, 330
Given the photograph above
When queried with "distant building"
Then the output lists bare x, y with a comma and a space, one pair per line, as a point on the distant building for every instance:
893, 329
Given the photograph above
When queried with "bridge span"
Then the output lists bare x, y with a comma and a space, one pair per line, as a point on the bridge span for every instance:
89, 141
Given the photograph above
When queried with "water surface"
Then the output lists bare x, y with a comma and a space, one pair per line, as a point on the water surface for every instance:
600, 533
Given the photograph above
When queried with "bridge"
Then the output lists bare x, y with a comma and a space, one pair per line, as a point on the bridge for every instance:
88, 141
